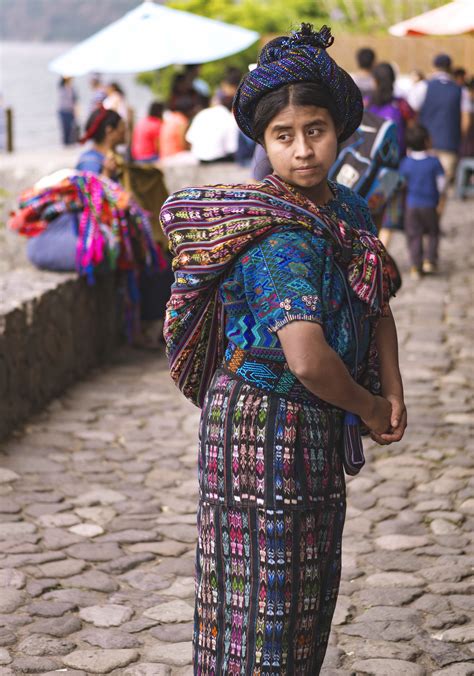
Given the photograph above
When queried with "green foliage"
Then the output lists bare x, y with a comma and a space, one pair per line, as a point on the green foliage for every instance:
270, 17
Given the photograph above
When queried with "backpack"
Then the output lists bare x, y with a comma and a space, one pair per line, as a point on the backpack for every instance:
368, 161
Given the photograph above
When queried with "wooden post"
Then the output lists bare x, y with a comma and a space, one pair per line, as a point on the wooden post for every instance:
9, 129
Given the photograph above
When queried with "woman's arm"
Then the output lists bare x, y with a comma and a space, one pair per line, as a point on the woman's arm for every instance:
390, 378
322, 371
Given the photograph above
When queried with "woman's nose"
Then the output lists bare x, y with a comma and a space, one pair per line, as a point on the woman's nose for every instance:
302, 147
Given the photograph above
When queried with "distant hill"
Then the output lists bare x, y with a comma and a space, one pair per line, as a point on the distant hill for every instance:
58, 20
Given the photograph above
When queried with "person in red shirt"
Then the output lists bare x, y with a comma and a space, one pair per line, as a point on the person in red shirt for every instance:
146, 135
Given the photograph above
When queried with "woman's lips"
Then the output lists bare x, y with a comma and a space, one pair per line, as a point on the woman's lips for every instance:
305, 170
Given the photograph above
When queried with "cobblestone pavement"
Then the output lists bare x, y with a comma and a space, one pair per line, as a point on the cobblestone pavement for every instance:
98, 499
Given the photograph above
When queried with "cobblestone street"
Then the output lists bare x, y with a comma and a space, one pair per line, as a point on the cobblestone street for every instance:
98, 499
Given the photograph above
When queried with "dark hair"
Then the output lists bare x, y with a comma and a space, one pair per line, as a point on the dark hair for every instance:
178, 80
155, 109
417, 137
459, 72
384, 77
111, 119
297, 94
185, 105
116, 87
365, 58
233, 76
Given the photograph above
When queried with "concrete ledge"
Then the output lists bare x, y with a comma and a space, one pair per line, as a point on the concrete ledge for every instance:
53, 329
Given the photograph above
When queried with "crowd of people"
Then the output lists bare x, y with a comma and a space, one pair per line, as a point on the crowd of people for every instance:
434, 117
196, 125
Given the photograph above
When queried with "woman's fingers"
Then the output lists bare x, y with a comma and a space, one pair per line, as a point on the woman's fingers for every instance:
395, 434
377, 438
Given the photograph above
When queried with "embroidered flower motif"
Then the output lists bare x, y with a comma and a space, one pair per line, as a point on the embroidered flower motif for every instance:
310, 301
286, 304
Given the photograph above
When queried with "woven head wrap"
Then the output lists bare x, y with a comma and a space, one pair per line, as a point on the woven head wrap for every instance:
301, 57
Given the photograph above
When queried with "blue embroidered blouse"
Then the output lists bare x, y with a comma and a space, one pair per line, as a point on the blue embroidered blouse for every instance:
291, 275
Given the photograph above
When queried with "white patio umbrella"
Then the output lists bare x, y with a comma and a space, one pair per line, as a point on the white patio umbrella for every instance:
152, 36
454, 18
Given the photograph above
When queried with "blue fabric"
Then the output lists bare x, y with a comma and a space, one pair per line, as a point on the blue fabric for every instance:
55, 248
292, 276
441, 114
420, 176
91, 160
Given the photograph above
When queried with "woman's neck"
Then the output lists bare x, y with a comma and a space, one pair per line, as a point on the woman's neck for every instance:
318, 195
103, 147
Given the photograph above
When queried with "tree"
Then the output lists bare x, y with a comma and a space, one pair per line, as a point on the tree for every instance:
272, 17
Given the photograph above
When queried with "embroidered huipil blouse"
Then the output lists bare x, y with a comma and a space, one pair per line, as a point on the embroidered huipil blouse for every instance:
291, 275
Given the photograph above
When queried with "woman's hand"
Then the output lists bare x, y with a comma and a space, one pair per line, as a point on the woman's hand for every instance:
379, 419
398, 422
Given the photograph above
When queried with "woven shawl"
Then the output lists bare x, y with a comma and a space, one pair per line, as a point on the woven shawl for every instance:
209, 228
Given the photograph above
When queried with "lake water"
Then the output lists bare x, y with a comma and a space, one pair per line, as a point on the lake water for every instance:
30, 89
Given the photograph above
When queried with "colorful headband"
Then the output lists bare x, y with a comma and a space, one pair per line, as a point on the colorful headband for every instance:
102, 114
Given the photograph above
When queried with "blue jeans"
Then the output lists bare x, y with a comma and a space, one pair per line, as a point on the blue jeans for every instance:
67, 126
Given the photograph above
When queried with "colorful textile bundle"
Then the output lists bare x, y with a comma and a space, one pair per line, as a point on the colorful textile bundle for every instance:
112, 227
209, 228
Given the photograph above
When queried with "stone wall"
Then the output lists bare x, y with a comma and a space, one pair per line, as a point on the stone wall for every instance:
53, 329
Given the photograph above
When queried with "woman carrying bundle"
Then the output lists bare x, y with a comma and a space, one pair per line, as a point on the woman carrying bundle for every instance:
279, 327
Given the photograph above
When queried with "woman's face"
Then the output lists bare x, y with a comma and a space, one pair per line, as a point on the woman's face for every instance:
301, 144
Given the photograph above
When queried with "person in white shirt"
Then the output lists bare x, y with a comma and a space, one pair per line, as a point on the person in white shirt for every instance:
213, 133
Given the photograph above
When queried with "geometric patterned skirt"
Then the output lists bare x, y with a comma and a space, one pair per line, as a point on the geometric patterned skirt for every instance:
270, 521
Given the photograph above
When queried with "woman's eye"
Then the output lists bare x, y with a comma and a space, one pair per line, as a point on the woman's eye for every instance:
314, 132
283, 137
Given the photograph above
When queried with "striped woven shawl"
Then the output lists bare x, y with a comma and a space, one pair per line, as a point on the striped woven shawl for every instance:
208, 228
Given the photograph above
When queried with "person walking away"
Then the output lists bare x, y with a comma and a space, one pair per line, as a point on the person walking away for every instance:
363, 75
175, 125
267, 279
213, 133
67, 105
444, 111
146, 135
386, 105
425, 182
460, 76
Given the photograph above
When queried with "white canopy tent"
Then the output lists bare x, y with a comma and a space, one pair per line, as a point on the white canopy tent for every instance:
454, 18
150, 37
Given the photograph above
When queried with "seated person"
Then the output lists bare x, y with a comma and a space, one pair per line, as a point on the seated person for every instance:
213, 133
146, 135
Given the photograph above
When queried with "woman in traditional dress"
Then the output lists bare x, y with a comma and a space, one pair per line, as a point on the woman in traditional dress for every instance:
279, 328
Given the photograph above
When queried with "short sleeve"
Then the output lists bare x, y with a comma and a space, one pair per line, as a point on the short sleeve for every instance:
283, 279
439, 171
403, 168
90, 161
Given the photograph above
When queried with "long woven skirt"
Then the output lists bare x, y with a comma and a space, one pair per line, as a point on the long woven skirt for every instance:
270, 521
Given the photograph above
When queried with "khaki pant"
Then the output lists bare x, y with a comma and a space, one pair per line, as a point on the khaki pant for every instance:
448, 161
